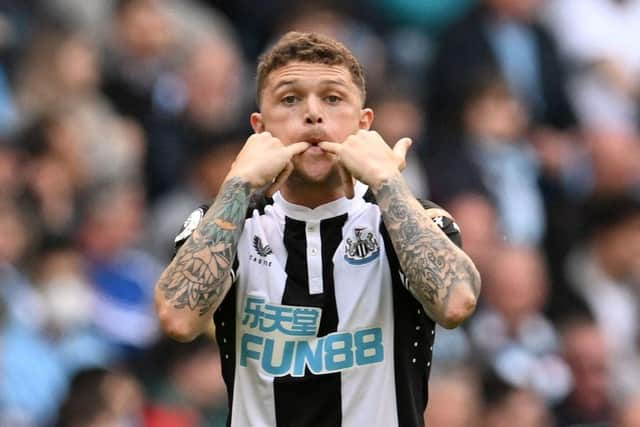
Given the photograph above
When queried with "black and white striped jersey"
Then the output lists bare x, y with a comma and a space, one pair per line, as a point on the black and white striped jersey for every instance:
318, 328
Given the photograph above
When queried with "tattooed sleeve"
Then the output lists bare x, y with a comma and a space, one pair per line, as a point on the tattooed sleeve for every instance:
432, 264
199, 276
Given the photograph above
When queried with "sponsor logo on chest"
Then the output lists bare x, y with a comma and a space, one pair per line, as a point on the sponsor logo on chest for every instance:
262, 252
282, 340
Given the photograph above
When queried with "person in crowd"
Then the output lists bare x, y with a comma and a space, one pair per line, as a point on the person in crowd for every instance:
506, 404
586, 350
456, 399
603, 273
122, 275
179, 389
511, 332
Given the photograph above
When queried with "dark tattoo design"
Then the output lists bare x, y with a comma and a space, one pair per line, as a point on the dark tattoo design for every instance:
200, 275
432, 264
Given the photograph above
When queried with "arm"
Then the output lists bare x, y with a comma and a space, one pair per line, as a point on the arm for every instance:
440, 275
198, 278
192, 287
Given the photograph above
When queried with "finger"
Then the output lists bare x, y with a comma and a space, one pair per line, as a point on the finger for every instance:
297, 148
280, 179
400, 150
331, 147
347, 182
402, 146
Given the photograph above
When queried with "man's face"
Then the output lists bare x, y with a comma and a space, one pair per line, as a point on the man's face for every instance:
311, 102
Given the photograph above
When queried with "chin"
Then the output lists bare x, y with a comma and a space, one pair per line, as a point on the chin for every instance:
316, 170
326, 174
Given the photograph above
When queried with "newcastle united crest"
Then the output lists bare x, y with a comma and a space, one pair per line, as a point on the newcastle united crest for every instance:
362, 247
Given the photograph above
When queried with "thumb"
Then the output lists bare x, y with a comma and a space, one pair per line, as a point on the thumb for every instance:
400, 150
402, 146
297, 148
331, 147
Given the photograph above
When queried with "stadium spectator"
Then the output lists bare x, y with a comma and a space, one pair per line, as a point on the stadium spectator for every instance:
121, 274
603, 271
510, 331
456, 400
586, 351
211, 91
178, 386
601, 41
509, 405
99, 397
209, 164
628, 412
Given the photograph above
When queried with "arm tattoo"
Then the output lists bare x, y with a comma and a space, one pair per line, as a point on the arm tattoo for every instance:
200, 276
432, 264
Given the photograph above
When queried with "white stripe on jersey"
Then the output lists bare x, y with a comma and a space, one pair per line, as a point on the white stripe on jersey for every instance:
363, 298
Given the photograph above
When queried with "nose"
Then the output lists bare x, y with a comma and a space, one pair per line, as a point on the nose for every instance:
313, 115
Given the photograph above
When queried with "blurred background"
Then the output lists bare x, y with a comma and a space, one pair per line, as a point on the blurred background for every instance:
119, 117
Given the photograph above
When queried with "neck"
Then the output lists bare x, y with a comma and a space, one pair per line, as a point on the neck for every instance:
310, 194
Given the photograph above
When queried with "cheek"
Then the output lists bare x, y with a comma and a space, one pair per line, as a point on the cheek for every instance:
282, 121
342, 122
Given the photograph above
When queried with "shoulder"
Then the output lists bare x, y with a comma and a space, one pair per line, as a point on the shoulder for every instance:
443, 219
190, 224
257, 202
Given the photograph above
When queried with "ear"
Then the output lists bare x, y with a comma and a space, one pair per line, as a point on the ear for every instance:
256, 122
366, 118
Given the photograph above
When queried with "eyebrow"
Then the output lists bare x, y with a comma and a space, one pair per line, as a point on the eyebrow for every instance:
338, 82
285, 83
292, 82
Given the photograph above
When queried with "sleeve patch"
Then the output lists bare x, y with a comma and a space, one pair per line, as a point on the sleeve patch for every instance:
190, 225
450, 228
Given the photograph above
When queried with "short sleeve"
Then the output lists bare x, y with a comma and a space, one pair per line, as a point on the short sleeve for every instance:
193, 220
446, 224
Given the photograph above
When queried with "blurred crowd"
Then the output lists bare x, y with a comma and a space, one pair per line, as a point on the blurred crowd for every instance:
119, 117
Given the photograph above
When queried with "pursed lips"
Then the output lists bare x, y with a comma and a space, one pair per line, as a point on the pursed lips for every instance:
314, 140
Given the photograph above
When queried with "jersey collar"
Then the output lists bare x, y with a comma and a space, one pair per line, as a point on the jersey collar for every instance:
328, 210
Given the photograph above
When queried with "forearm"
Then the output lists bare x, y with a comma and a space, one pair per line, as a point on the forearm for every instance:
440, 275
198, 278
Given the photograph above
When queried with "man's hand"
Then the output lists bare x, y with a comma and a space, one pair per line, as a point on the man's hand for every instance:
368, 158
264, 159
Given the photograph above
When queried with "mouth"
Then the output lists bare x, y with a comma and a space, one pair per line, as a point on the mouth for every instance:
314, 149
314, 140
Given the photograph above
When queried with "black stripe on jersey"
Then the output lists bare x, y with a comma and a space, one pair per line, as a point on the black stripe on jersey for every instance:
312, 400
413, 336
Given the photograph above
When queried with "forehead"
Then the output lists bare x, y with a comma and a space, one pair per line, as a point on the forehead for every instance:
306, 73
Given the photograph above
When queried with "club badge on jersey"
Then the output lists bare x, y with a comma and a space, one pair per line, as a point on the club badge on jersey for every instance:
362, 247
